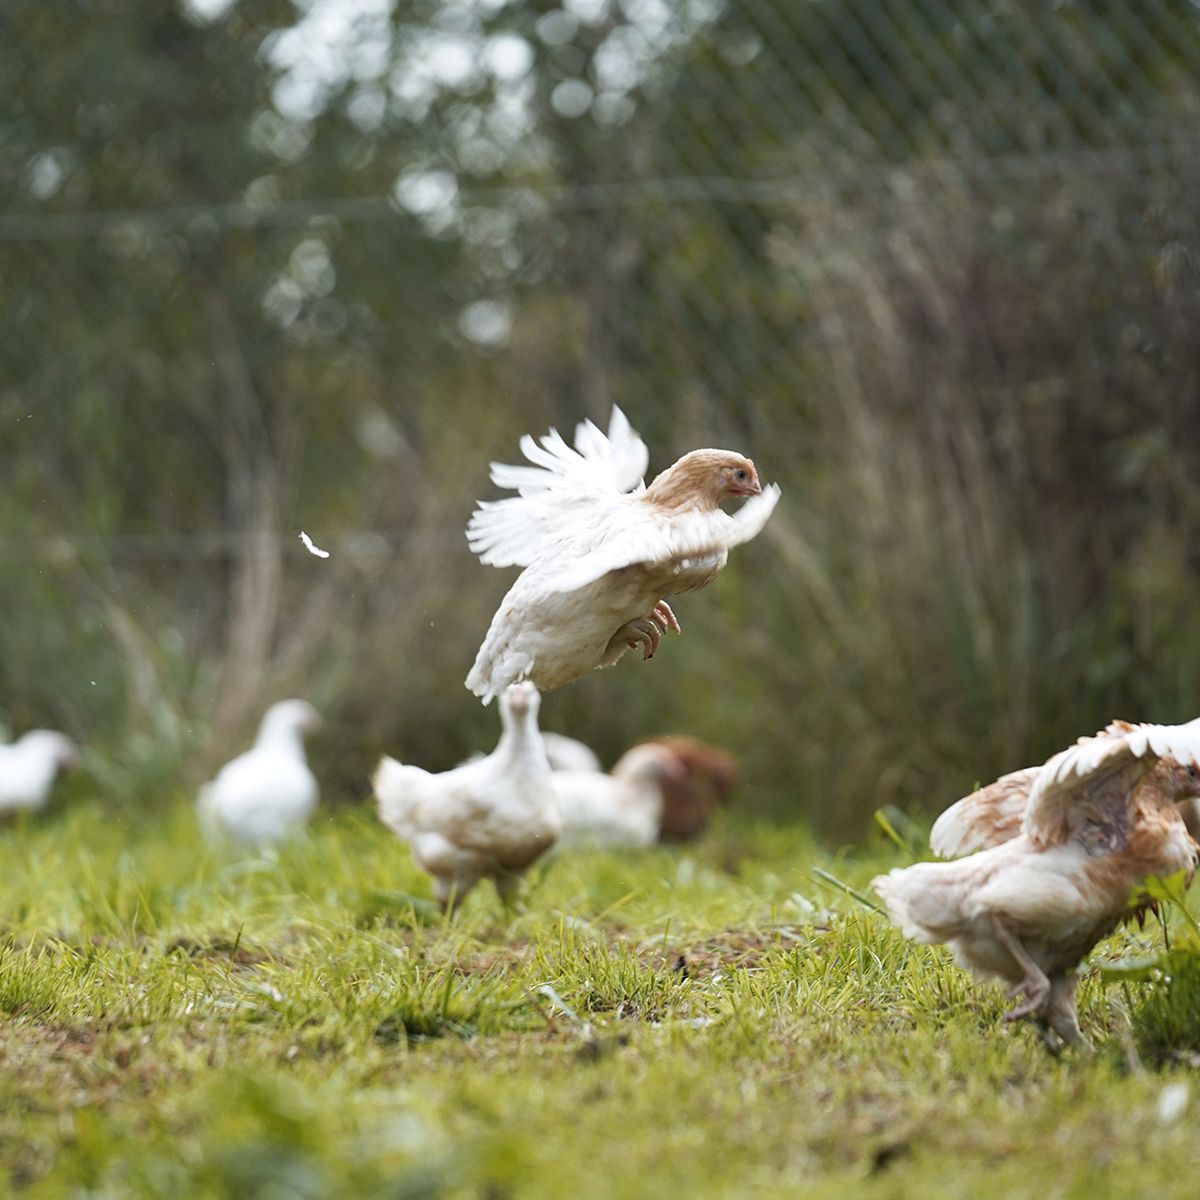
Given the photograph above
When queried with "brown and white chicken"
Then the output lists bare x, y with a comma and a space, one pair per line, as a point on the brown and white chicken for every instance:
622, 809
1101, 817
490, 818
688, 800
601, 551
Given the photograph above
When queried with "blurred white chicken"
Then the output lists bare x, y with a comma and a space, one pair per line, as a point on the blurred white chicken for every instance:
29, 766
624, 808
1101, 817
491, 818
601, 551
569, 754
267, 794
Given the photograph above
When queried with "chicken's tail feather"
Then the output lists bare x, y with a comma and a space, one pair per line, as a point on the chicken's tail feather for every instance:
397, 794
902, 890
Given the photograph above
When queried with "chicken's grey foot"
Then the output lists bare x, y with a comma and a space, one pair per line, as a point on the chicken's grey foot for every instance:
1034, 986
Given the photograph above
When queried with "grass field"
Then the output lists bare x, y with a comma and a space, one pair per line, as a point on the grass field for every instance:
717, 1021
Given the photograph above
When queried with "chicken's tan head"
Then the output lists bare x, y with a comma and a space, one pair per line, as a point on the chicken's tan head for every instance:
1181, 779
704, 478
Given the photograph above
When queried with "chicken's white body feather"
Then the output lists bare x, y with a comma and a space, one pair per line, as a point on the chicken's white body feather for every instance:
489, 818
623, 809
29, 766
269, 793
601, 811
569, 754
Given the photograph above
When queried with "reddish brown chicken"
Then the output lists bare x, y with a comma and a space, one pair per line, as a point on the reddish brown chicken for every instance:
689, 799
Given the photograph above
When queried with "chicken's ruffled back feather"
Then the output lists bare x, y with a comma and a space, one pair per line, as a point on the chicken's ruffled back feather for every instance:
1118, 756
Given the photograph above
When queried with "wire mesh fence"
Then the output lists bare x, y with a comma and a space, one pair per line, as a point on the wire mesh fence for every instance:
269, 267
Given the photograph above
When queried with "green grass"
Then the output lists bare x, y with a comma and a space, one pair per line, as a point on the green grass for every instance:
719, 1021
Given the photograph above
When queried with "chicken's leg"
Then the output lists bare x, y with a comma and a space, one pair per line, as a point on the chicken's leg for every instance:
1035, 986
508, 888
1060, 1012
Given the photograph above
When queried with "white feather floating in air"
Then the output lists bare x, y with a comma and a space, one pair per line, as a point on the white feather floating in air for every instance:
311, 548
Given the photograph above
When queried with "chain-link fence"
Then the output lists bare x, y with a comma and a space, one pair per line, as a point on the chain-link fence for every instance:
268, 268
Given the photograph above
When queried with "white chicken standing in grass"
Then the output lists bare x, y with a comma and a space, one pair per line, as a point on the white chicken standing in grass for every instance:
490, 818
1101, 817
268, 794
621, 809
569, 754
29, 767
601, 551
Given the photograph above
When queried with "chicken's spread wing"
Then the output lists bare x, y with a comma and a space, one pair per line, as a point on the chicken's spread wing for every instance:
987, 817
1096, 776
648, 536
565, 500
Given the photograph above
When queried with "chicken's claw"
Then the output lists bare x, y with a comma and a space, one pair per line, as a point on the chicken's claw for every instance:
642, 632
1034, 985
662, 615
1035, 991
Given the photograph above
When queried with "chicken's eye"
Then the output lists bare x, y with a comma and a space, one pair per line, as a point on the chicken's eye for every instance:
1193, 772
740, 475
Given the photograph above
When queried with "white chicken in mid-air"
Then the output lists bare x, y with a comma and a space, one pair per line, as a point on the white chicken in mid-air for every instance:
29, 766
601, 551
621, 809
1101, 817
490, 818
267, 794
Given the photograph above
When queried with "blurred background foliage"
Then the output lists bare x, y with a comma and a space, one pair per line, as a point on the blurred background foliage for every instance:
272, 265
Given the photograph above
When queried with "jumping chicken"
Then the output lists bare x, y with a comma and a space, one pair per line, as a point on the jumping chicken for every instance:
601, 551
1101, 817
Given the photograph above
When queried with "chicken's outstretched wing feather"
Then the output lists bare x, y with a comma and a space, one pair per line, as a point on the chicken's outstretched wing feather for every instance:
987, 817
1108, 765
563, 495
655, 538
